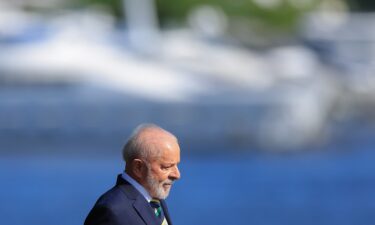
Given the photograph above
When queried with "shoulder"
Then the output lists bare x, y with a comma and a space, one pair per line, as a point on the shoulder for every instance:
113, 198
110, 208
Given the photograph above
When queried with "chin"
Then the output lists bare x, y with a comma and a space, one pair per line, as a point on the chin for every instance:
162, 194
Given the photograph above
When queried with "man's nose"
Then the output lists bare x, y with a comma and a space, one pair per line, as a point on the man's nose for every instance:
175, 173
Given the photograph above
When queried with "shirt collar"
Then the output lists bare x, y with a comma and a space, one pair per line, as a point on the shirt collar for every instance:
137, 186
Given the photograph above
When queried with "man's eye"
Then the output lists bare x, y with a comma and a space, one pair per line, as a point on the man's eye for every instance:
166, 167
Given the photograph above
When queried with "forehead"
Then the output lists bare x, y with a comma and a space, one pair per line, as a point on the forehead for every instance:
161, 144
166, 151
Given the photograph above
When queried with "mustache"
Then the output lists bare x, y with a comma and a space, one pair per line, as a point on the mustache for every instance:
168, 181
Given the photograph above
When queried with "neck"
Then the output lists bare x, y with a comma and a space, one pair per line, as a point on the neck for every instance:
139, 180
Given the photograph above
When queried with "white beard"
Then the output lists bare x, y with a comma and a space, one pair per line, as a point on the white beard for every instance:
157, 189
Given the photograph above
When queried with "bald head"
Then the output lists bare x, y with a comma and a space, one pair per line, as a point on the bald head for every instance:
152, 155
147, 142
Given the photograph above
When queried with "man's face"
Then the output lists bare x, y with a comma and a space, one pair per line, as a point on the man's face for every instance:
162, 171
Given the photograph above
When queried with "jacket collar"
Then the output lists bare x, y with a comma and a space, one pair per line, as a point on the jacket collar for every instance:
140, 204
165, 210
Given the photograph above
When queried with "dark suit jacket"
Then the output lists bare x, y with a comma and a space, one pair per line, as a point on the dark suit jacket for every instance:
124, 205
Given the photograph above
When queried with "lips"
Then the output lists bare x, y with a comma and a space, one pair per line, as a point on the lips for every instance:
168, 182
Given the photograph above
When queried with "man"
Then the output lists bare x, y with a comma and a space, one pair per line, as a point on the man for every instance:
151, 158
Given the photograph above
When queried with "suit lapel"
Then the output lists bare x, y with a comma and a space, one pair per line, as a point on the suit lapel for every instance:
145, 211
166, 213
141, 206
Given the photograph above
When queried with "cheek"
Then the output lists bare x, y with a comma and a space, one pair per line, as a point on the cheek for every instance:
161, 175
158, 174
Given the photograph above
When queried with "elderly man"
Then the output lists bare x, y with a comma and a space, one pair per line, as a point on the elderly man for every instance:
151, 156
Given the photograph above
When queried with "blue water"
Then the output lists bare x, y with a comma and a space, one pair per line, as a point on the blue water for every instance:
311, 188
60, 150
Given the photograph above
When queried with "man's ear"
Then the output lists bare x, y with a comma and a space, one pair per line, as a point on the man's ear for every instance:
138, 167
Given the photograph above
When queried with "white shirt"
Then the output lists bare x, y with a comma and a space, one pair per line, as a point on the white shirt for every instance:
137, 186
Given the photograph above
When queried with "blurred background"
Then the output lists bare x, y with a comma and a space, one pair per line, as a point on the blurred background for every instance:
273, 102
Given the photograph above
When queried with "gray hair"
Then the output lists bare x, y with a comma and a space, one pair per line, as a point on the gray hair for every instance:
136, 146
